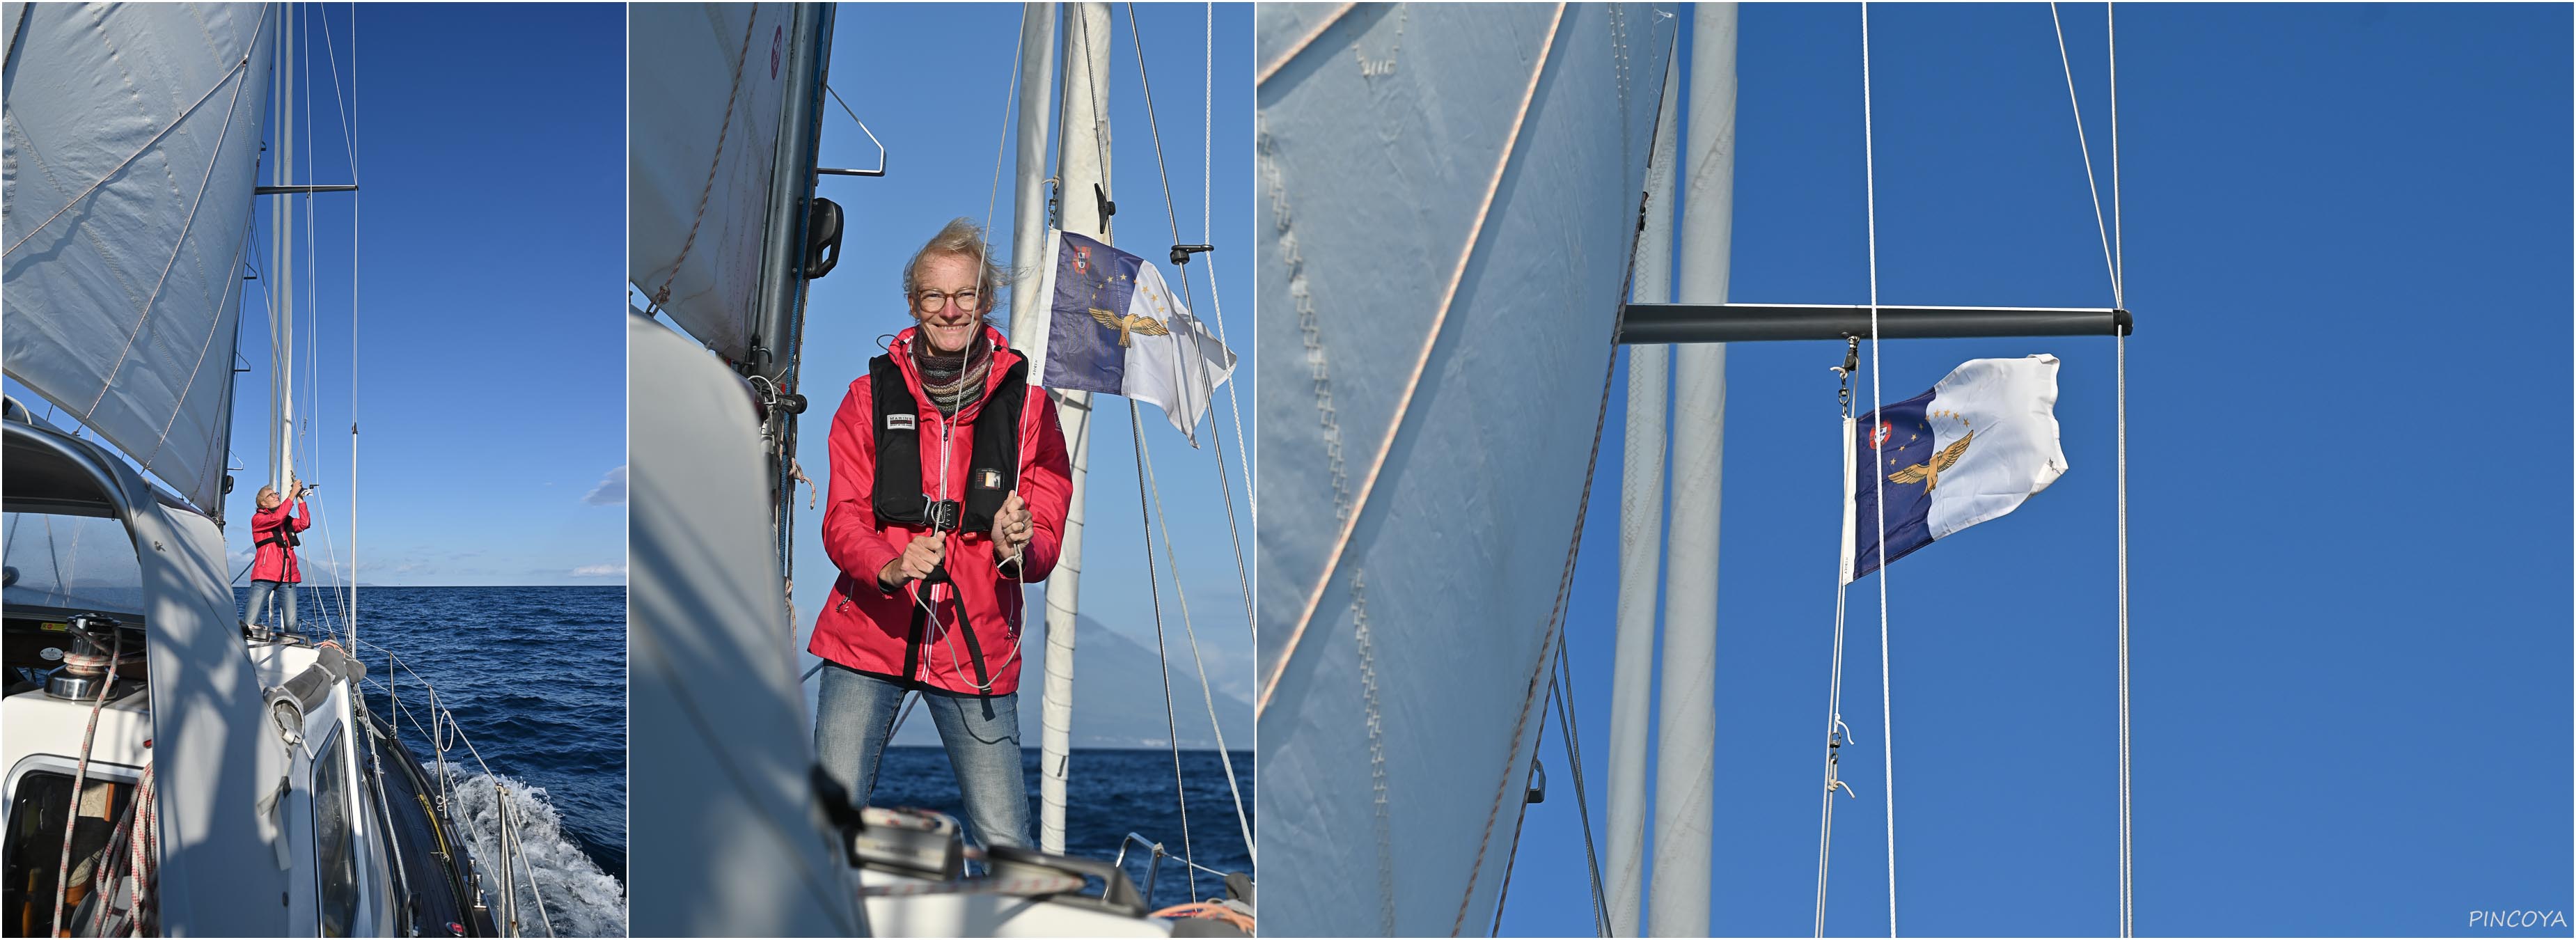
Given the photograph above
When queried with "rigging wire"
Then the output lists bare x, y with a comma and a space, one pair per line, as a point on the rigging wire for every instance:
1207, 235
1836, 733
1154, 587
2119, 283
1573, 738
1878, 407
1224, 755
2113, 258
2107, 263
1225, 484
349, 137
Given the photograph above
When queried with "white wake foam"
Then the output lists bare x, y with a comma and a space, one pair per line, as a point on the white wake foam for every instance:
580, 899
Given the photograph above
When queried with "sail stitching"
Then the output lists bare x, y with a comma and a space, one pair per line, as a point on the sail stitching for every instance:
1422, 360
178, 246
139, 152
1265, 150
724, 130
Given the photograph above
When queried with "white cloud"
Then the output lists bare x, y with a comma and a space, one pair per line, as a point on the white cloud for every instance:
600, 571
611, 490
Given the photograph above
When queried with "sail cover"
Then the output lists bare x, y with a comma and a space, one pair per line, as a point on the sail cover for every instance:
709, 81
133, 147
1375, 159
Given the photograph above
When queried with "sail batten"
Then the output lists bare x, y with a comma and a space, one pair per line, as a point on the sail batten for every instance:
132, 144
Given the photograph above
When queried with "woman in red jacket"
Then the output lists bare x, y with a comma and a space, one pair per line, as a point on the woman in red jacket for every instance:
948, 493
273, 571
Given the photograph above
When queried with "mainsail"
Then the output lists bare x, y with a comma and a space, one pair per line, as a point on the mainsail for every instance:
1449, 197
699, 160
133, 146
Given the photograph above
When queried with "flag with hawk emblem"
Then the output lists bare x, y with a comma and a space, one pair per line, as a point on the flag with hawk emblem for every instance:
1969, 450
1114, 327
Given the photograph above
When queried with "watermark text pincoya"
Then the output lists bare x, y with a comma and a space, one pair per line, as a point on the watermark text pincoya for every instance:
2517, 919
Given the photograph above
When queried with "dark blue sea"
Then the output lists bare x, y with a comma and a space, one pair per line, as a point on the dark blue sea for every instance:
1109, 794
536, 677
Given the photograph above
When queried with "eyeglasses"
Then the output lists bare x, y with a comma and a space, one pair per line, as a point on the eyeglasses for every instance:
931, 301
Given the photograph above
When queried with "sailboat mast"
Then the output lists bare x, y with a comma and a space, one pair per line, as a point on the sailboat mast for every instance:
1082, 163
1641, 535
281, 268
778, 328
1686, 742
1029, 192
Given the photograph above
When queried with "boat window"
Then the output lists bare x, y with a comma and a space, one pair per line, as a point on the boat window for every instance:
35, 844
74, 562
334, 848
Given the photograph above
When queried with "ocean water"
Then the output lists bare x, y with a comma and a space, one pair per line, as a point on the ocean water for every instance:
536, 677
1109, 794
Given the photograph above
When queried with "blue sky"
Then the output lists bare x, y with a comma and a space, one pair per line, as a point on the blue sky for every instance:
944, 146
2349, 228
489, 375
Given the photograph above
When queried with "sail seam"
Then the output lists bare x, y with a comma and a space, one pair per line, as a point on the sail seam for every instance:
179, 245
1300, 46
1422, 360
147, 145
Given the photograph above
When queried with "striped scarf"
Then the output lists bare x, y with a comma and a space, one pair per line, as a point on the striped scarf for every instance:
953, 384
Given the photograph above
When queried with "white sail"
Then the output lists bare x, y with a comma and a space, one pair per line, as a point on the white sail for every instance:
725, 777
1485, 161
708, 79
133, 143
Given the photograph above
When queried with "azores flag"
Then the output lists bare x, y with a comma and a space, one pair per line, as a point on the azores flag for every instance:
1969, 450
1114, 327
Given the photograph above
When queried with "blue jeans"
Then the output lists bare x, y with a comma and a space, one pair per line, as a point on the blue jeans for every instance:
855, 717
261, 594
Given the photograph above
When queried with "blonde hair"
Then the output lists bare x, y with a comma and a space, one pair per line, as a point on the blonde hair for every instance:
965, 239
265, 494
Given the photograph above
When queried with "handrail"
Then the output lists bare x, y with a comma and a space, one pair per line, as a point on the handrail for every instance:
442, 724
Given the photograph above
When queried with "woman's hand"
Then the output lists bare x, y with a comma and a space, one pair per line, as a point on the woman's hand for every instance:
917, 561
1011, 528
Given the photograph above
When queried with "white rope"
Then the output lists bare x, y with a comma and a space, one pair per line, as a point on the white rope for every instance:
1878, 407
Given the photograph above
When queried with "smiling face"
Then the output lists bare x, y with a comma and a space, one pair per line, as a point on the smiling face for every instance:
937, 280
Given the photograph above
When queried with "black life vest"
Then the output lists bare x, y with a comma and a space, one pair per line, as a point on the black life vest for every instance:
993, 469
284, 535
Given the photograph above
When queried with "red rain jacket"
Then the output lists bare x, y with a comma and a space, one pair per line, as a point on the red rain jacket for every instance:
872, 630
275, 562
